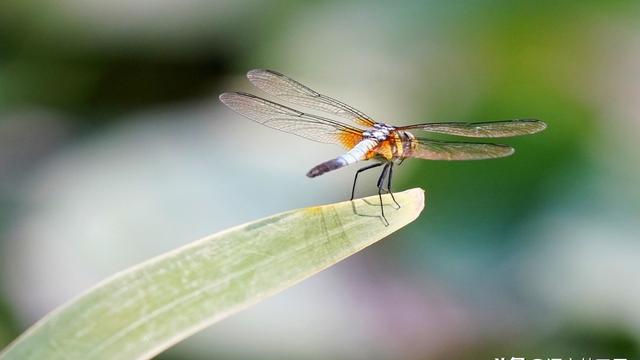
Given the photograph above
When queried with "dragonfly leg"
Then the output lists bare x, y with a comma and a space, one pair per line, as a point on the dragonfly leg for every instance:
383, 175
353, 189
389, 184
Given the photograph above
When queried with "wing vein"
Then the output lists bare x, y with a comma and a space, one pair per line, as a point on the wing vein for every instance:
294, 92
491, 129
450, 150
292, 121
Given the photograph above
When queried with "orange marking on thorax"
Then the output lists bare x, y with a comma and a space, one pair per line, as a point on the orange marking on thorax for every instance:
383, 149
392, 147
396, 144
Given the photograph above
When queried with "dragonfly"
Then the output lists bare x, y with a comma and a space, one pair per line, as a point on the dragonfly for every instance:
364, 138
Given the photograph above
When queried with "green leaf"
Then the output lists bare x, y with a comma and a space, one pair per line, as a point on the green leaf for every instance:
143, 310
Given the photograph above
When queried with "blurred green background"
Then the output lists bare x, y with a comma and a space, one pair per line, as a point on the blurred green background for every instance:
114, 148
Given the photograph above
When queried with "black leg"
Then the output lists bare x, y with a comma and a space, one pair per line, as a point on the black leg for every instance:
389, 184
353, 189
380, 186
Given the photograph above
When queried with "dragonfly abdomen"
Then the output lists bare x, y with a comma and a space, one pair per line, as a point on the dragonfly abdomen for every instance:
359, 151
327, 166
351, 157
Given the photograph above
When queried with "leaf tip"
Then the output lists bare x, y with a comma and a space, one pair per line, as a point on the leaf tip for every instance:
418, 197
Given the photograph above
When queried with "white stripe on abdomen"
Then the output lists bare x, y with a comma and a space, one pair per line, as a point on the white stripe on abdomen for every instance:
353, 156
359, 151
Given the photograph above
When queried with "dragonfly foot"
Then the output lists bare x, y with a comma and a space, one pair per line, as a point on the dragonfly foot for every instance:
386, 222
393, 198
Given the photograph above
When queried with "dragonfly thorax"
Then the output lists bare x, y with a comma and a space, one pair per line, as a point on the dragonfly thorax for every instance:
379, 132
383, 126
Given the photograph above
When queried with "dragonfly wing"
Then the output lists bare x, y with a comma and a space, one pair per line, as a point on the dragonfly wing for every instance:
292, 121
449, 150
294, 92
492, 129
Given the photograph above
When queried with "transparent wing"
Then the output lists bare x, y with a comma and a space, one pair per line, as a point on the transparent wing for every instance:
292, 121
292, 91
449, 150
491, 129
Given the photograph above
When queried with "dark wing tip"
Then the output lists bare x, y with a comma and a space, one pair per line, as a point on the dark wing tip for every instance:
228, 97
235, 100
501, 150
543, 125
230, 100
510, 151
538, 125
256, 73
224, 97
